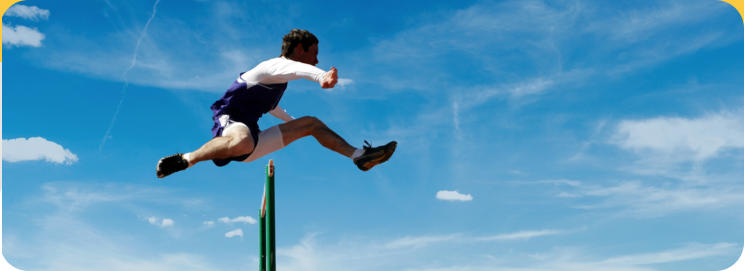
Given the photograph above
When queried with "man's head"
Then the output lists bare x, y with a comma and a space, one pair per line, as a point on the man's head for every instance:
300, 45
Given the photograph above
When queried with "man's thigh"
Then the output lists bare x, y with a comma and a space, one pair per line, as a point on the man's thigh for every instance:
297, 128
239, 133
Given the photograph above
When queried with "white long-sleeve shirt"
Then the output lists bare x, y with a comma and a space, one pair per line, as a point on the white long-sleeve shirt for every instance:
281, 70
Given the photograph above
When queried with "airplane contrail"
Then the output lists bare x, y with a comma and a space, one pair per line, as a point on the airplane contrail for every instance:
124, 76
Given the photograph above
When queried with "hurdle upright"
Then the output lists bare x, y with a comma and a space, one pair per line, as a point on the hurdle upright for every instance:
267, 232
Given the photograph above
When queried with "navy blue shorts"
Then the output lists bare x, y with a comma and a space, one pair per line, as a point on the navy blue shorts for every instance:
219, 126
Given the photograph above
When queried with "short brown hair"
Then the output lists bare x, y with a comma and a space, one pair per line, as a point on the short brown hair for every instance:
295, 37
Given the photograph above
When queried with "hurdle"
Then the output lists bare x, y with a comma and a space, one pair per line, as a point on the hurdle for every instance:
267, 232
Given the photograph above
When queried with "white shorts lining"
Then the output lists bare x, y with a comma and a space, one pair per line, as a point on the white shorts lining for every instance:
269, 140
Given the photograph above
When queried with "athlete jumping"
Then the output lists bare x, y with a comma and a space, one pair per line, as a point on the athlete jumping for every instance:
258, 91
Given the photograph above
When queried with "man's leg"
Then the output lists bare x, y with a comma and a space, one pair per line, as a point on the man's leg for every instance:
365, 158
235, 141
305, 126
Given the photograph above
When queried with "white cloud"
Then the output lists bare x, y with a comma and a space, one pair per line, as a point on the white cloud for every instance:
22, 36
344, 82
694, 139
209, 223
453, 196
242, 219
233, 233
163, 223
167, 222
36, 148
26, 12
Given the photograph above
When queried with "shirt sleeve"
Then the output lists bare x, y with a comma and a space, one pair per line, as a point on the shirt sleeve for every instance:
282, 70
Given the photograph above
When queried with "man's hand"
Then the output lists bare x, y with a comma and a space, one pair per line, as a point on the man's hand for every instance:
330, 79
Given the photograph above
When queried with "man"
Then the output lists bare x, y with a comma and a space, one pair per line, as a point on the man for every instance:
258, 91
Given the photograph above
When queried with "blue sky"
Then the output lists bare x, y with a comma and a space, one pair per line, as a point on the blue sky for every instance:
533, 135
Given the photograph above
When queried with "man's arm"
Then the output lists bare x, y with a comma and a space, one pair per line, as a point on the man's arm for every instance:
282, 70
281, 114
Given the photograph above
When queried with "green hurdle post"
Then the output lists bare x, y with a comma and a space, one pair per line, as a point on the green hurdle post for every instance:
267, 231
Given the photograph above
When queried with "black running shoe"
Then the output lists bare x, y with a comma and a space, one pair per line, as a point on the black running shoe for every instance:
169, 165
374, 156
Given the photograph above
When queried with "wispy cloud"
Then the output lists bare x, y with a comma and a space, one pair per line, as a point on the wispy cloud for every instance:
459, 238
36, 148
518, 52
526, 48
575, 259
636, 25
688, 252
493, 34
132, 64
421, 241
456, 119
85, 247
522, 235
310, 254
164, 54
638, 199
453, 196
75, 197
82, 243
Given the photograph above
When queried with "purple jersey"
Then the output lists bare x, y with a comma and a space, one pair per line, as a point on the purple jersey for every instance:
246, 103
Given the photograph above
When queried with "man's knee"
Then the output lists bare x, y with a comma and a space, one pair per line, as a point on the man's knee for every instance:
308, 120
300, 127
311, 122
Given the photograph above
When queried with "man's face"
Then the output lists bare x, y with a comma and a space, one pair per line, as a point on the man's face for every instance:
308, 57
